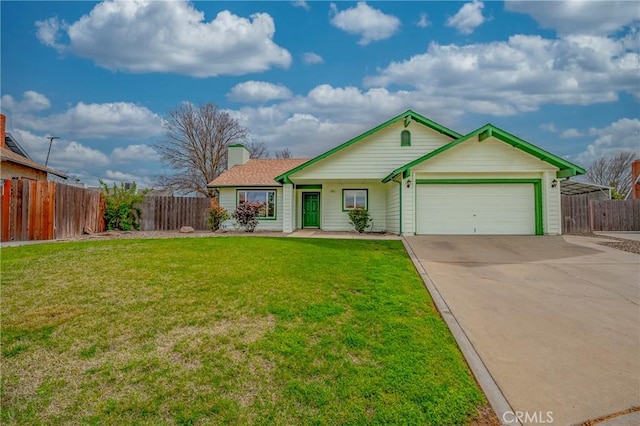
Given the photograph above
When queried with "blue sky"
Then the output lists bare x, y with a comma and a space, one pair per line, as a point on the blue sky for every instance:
310, 75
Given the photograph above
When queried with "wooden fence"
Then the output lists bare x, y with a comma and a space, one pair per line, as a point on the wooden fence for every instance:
582, 215
161, 213
78, 210
41, 210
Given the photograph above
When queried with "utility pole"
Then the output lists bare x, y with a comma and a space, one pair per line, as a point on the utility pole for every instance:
51, 139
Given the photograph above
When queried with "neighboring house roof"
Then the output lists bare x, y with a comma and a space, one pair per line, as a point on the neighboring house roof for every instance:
567, 168
6, 154
14, 146
256, 172
407, 116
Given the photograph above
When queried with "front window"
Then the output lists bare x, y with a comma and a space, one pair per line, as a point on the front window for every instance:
354, 199
266, 198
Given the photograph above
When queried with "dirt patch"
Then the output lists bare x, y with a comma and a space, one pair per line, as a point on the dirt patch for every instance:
46, 316
485, 417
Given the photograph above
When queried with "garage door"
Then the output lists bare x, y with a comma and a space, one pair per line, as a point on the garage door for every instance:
467, 209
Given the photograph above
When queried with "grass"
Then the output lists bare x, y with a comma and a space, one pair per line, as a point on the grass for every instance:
225, 331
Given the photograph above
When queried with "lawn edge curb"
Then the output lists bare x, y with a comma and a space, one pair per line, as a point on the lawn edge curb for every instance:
489, 386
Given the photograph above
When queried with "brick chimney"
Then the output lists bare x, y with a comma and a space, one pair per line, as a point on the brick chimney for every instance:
237, 155
3, 130
635, 185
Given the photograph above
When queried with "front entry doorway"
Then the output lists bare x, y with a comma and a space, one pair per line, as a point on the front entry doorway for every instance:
310, 209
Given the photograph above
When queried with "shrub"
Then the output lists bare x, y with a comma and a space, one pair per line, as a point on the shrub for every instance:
360, 219
121, 210
217, 215
246, 215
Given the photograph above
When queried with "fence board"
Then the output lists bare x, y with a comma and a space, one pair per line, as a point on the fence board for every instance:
581, 215
169, 213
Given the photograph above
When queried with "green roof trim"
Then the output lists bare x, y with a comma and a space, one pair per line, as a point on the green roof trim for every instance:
407, 115
237, 145
567, 169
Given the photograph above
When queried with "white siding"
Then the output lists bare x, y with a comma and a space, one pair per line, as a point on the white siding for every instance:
375, 156
552, 213
489, 159
408, 209
393, 207
228, 201
490, 155
334, 219
287, 208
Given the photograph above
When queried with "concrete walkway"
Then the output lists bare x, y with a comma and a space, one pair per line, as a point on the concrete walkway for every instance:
635, 236
555, 320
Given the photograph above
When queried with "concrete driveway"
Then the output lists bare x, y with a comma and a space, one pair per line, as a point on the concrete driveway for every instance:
556, 320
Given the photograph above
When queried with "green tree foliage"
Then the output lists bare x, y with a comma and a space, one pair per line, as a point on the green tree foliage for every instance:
360, 219
122, 211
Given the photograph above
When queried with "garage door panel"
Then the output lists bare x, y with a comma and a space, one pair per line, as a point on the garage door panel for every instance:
483, 209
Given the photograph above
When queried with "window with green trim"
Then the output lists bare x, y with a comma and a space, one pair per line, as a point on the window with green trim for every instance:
405, 138
266, 198
354, 199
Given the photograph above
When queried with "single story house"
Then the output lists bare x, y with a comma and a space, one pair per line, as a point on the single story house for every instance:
16, 163
414, 176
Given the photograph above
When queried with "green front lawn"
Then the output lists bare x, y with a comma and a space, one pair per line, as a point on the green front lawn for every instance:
226, 330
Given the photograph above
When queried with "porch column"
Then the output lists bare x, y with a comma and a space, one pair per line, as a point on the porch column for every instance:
287, 208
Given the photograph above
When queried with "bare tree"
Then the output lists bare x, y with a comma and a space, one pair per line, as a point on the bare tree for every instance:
257, 149
614, 171
283, 154
195, 146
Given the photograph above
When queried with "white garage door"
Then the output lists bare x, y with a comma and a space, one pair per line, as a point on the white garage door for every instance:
468, 209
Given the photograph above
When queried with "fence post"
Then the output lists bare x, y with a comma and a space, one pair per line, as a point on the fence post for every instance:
591, 226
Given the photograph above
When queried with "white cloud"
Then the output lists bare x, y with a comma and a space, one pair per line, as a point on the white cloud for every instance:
168, 36
142, 179
117, 119
580, 16
423, 22
548, 127
31, 101
302, 4
468, 18
258, 91
311, 58
141, 152
521, 74
571, 133
369, 23
621, 135
327, 116
65, 154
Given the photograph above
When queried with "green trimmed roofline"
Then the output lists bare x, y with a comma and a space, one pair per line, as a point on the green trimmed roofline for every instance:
407, 116
567, 169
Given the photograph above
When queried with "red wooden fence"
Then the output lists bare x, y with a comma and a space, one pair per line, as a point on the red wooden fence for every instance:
40, 210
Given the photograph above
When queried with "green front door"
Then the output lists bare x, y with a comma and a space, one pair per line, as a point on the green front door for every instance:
310, 210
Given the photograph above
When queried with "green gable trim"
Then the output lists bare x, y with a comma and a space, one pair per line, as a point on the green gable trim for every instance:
411, 115
236, 145
567, 168
537, 192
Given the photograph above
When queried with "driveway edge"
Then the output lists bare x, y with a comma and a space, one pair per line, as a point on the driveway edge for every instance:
490, 388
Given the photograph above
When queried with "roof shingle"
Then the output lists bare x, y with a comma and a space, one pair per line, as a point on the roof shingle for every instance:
257, 172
